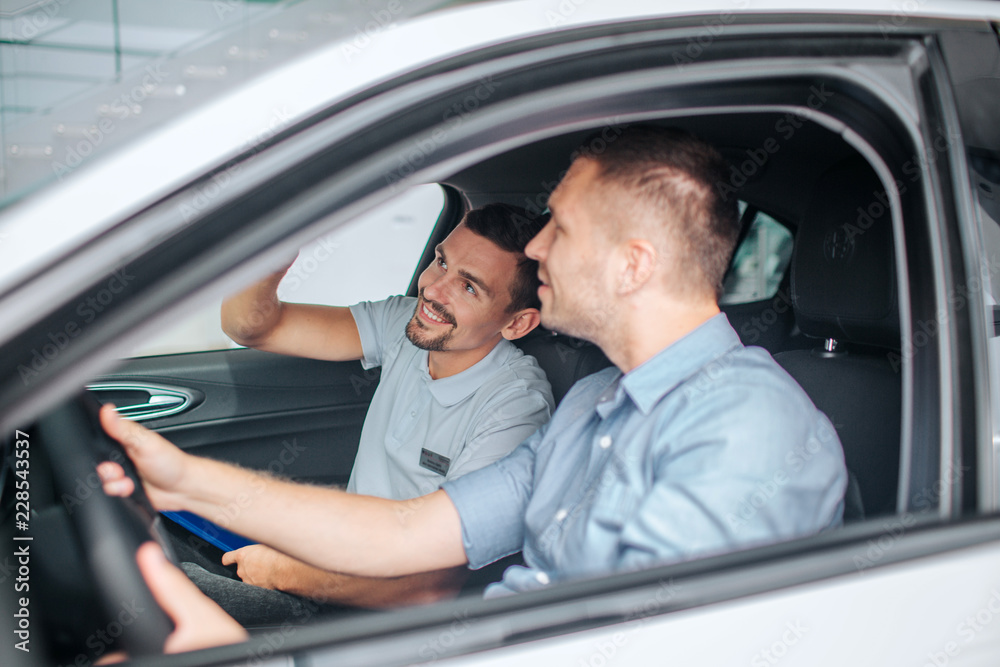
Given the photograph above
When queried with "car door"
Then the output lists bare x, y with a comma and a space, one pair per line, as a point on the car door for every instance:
891, 98
905, 585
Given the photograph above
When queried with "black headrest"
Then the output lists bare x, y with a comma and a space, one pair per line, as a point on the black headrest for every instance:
564, 360
843, 271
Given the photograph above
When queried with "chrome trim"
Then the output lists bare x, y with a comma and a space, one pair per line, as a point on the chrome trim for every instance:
163, 400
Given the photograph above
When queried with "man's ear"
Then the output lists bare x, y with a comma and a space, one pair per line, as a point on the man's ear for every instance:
638, 265
523, 322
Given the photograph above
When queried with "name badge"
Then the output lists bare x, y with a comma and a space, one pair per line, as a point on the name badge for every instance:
434, 461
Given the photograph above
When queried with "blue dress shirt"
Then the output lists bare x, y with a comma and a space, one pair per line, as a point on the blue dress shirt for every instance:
705, 448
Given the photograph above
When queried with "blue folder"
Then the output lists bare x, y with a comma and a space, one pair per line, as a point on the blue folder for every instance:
208, 531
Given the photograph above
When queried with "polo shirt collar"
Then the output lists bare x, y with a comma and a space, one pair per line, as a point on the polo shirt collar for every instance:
452, 389
661, 374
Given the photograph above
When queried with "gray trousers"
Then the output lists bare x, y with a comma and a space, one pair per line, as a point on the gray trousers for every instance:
250, 605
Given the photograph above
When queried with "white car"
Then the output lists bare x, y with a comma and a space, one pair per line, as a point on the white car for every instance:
864, 139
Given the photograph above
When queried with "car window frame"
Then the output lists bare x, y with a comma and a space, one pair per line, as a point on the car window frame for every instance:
268, 244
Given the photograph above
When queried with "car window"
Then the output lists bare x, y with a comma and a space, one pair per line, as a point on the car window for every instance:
370, 258
760, 261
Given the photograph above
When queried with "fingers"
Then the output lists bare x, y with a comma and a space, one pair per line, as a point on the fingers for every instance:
132, 436
236, 557
199, 622
112, 474
170, 587
115, 482
161, 466
111, 420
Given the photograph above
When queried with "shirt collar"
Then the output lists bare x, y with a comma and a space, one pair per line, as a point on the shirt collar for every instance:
454, 388
656, 377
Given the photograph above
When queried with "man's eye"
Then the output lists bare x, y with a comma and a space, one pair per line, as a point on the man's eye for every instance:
443, 264
470, 289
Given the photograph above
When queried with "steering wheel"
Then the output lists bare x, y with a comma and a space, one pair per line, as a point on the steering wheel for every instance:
109, 529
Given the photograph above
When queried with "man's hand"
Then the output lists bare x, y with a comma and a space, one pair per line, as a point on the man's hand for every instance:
160, 464
362, 535
265, 567
199, 622
260, 565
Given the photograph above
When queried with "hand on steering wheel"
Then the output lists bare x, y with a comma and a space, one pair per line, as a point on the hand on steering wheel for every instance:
109, 530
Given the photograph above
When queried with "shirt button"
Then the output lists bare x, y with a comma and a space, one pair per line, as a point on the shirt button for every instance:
561, 514
605, 441
542, 578
413, 414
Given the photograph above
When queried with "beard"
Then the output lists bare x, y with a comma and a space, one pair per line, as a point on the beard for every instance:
418, 333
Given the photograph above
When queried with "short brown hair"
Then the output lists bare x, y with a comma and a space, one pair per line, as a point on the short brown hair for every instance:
672, 171
511, 228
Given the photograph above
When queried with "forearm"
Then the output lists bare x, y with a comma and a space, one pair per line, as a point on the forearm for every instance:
304, 580
251, 315
257, 318
328, 528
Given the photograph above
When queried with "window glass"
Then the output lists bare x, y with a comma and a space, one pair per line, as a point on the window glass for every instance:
370, 258
760, 262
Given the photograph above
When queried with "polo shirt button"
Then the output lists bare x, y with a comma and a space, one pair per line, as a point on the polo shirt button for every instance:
605, 441
542, 578
561, 514
413, 414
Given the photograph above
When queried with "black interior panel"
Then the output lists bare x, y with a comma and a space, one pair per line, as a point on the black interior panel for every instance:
294, 417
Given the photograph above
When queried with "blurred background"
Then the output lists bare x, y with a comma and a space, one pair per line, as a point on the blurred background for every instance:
79, 77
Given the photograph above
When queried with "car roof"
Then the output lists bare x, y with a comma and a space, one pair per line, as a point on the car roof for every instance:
41, 227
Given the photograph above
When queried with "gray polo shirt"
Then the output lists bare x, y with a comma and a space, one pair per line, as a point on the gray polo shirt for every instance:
421, 432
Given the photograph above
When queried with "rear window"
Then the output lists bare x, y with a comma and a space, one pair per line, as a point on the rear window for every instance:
368, 259
760, 261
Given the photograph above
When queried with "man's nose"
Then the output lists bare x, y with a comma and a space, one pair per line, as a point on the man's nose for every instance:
435, 290
538, 246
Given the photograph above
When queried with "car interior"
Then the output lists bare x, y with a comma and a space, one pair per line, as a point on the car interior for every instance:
832, 322
843, 131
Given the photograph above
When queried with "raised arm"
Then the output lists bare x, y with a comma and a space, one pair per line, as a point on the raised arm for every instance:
257, 318
329, 529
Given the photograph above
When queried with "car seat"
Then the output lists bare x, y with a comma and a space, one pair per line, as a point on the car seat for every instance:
843, 289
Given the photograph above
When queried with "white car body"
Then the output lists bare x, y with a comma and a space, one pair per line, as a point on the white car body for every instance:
940, 609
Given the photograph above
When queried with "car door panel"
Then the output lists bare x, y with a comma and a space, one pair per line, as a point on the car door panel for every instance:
293, 417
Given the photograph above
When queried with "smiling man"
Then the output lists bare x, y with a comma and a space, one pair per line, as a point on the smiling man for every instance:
643, 464
454, 395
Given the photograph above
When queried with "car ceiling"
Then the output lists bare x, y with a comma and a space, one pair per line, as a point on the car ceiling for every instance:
782, 186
